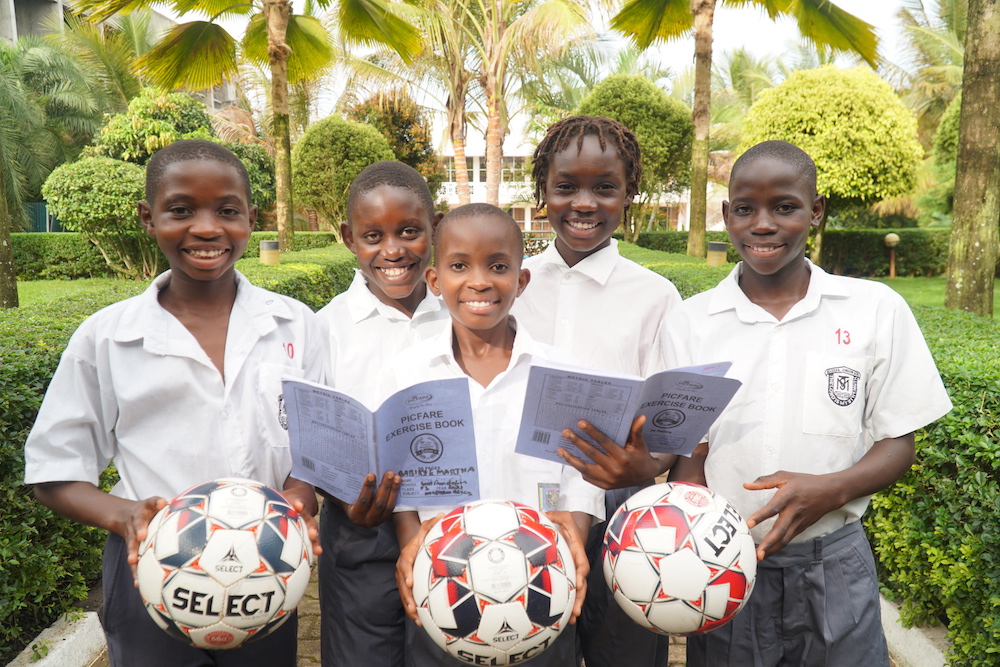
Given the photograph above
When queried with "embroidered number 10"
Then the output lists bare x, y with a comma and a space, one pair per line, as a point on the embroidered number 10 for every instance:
843, 337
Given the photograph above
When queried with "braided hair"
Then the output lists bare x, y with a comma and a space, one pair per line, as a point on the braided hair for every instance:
608, 131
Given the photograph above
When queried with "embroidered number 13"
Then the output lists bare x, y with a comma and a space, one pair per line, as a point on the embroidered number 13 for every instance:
843, 337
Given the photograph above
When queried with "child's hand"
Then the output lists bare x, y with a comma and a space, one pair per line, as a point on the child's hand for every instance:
135, 528
302, 496
371, 508
576, 536
404, 568
800, 501
619, 467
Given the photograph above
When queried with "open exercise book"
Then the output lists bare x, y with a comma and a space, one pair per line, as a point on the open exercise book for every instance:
680, 405
423, 432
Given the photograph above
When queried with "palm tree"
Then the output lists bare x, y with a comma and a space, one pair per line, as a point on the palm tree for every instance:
201, 54
644, 21
108, 54
46, 115
510, 37
935, 43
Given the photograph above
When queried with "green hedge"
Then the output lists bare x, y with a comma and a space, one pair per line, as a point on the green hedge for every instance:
847, 252
67, 255
46, 561
937, 531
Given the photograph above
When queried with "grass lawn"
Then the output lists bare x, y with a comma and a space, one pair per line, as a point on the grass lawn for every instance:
42, 291
929, 291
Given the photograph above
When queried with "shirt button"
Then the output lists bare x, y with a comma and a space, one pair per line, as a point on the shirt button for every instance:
565, 322
567, 277
770, 450
775, 387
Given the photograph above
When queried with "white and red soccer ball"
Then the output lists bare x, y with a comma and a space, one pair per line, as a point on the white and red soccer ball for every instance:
223, 563
494, 583
679, 559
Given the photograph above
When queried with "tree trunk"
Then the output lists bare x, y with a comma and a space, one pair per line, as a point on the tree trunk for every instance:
494, 150
8, 272
458, 145
972, 257
276, 15
704, 13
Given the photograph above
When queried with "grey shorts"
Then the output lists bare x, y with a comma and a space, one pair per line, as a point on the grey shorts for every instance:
815, 603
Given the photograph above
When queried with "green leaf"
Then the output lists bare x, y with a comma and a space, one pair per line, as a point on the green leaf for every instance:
195, 55
645, 21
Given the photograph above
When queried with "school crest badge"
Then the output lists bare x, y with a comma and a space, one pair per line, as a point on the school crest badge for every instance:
282, 413
842, 384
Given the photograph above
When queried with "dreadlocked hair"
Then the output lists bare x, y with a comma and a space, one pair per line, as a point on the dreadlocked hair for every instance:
607, 131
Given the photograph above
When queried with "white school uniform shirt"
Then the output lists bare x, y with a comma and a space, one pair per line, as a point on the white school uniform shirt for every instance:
134, 386
365, 333
845, 368
607, 311
496, 417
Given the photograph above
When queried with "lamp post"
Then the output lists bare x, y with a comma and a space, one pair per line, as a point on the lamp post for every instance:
891, 241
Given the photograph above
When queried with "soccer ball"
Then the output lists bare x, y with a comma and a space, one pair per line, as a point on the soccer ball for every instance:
679, 559
223, 563
494, 583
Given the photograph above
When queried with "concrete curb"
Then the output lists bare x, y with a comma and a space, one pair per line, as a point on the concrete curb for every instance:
80, 642
71, 642
912, 647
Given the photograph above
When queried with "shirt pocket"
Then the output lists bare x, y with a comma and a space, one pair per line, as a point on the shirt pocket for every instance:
271, 402
835, 394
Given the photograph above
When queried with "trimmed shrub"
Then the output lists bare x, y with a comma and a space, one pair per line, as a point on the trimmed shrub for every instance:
57, 255
937, 531
97, 197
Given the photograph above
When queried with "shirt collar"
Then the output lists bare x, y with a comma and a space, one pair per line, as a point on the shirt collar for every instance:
362, 303
144, 318
524, 346
729, 296
596, 266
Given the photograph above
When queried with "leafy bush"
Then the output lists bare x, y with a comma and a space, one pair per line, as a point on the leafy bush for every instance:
851, 122
57, 255
97, 197
330, 154
937, 531
688, 274
46, 561
154, 119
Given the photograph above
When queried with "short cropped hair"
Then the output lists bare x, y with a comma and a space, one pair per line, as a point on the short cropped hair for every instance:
482, 211
393, 173
191, 149
782, 151
607, 131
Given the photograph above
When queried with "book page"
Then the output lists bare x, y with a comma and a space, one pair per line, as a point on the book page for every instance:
681, 405
425, 435
331, 438
558, 398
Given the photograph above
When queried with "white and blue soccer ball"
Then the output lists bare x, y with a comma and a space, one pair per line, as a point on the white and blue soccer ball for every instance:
494, 583
679, 559
225, 562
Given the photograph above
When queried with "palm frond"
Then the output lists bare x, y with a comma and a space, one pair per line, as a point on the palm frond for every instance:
645, 21
195, 55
